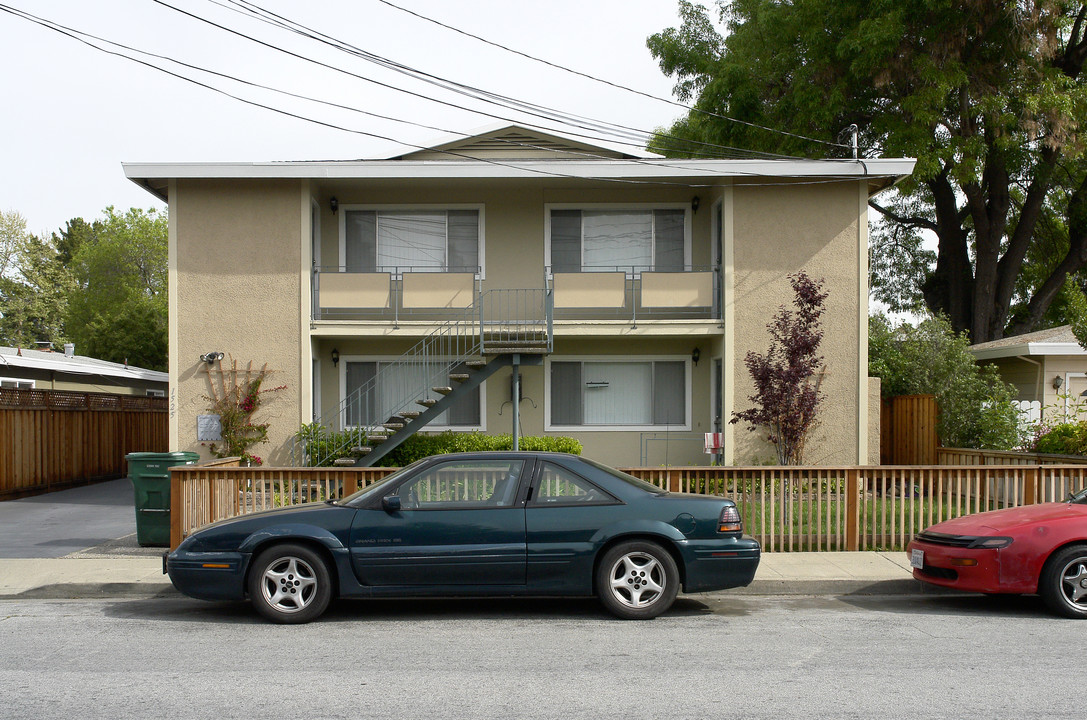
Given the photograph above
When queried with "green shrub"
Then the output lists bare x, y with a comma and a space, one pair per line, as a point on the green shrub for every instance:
1068, 438
421, 446
323, 447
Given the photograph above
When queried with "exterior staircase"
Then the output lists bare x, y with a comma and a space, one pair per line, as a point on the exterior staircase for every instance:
505, 328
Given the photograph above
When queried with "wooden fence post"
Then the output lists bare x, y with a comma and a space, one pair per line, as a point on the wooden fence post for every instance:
852, 509
1030, 486
175, 509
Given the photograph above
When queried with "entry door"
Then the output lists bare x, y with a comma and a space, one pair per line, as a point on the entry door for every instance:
460, 524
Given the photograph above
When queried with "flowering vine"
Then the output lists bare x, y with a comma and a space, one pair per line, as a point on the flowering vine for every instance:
237, 396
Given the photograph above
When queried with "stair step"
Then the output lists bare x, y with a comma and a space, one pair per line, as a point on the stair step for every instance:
428, 402
377, 439
343, 462
476, 364
393, 426
459, 377
409, 414
442, 390
362, 450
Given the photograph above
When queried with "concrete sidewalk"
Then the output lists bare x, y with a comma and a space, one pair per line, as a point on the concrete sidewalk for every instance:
95, 575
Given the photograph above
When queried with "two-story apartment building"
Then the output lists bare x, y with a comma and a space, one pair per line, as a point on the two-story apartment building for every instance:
625, 290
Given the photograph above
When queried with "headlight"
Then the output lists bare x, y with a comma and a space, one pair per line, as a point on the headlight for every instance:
991, 542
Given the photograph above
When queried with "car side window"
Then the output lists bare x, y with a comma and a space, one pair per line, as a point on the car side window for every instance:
558, 486
463, 484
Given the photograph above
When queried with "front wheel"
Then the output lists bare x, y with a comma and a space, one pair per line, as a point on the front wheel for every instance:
1063, 584
637, 580
290, 584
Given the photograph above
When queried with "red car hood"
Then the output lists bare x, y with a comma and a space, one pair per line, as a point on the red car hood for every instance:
997, 522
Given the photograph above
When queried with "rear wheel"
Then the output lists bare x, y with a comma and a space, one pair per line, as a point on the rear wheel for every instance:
290, 584
1063, 584
637, 580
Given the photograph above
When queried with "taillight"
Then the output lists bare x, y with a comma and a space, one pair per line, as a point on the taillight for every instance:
730, 520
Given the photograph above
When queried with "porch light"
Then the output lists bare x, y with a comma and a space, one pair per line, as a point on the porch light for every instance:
695, 355
334, 204
335, 357
695, 202
1057, 382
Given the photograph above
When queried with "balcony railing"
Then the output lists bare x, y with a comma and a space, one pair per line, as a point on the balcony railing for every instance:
636, 292
607, 293
394, 293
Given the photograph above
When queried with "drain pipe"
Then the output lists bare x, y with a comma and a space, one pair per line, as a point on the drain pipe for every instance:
515, 392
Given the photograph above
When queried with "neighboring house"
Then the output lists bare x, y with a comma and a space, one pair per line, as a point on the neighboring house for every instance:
655, 276
1048, 368
25, 369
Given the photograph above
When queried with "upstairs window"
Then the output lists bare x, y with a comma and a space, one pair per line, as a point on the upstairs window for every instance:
633, 239
411, 240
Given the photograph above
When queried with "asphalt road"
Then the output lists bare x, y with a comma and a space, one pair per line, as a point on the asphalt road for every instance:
738, 657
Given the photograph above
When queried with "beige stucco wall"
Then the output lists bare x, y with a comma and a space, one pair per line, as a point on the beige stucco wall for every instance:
238, 274
242, 288
874, 420
777, 231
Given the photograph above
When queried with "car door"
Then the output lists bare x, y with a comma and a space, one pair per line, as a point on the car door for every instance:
564, 514
461, 523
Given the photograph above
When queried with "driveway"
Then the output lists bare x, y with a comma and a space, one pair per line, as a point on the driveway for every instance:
99, 518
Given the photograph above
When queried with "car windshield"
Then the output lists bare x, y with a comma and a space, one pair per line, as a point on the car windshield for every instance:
629, 479
1080, 497
376, 486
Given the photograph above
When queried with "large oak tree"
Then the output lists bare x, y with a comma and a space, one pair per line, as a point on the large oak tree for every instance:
988, 95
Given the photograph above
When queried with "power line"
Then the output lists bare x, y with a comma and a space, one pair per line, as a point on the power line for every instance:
641, 136
618, 86
74, 34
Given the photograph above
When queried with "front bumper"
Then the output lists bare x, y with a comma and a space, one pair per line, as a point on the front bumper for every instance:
207, 576
944, 566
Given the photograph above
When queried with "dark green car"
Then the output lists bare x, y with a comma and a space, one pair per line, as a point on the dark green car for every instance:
476, 524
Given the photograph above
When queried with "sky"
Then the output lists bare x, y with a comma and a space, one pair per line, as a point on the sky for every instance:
73, 114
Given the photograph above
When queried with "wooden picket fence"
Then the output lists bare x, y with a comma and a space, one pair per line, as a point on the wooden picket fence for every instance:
52, 439
785, 508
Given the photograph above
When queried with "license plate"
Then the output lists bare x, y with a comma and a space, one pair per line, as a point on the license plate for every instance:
917, 558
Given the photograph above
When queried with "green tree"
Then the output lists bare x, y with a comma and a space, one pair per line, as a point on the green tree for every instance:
118, 311
34, 286
976, 408
989, 96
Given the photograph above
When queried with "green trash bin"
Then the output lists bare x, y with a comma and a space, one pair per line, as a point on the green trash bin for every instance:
150, 476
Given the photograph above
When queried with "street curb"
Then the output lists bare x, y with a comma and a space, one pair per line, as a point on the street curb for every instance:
95, 591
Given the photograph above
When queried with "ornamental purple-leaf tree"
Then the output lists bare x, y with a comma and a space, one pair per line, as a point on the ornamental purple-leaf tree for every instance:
788, 377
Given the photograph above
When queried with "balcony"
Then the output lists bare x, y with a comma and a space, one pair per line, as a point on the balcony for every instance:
423, 294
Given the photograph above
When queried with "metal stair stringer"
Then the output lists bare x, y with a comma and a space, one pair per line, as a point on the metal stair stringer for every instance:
474, 380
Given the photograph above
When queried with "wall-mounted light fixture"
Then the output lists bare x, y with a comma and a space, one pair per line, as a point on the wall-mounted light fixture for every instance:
695, 355
335, 357
334, 204
1057, 382
211, 357
695, 202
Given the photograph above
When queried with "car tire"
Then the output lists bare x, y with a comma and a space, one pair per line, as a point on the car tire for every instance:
1063, 583
290, 584
637, 580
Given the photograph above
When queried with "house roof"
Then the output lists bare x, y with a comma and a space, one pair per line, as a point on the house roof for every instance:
1054, 341
76, 365
513, 152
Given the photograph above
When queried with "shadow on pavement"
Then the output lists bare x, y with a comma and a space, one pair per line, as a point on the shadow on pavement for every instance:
959, 604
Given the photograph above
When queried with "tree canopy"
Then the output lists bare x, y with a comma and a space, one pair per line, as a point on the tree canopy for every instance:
99, 284
989, 96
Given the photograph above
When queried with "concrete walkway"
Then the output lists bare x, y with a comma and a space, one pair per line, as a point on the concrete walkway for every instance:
82, 543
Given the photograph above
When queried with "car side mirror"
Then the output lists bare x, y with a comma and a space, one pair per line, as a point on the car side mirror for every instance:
391, 503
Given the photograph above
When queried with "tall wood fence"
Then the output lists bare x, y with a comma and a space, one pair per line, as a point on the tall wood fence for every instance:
907, 434
51, 439
785, 508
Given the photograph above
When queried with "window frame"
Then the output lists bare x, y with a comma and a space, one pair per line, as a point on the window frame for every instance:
687, 389
648, 207
537, 478
427, 207
18, 382
527, 468
342, 395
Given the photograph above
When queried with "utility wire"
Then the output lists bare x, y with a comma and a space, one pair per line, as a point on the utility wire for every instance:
641, 138
75, 35
618, 86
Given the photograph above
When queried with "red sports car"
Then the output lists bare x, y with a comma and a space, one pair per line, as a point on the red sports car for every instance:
1031, 549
